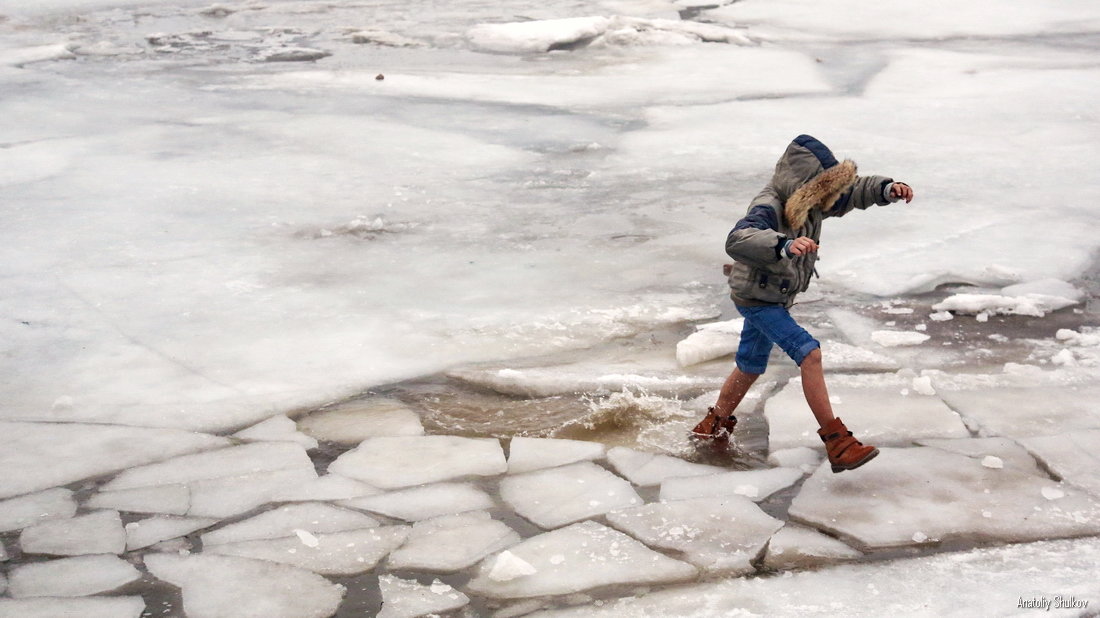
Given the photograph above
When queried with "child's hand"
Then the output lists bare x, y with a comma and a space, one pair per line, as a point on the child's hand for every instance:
901, 191
803, 245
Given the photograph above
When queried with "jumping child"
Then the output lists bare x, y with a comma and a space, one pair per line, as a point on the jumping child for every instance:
775, 247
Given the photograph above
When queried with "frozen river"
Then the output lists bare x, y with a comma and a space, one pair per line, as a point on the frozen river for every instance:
284, 282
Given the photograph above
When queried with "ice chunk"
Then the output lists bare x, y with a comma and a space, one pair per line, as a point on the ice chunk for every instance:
802, 457
592, 556
394, 462
718, 535
100, 532
233, 495
403, 598
872, 406
798, 547
940, 495
1022, 404
894, 338
52, 454
334, 553
329, 487
167, 499
839, 356
93, 607
535, 36
71, 577
1074, 457
228, 462
229, 587
754, 484
282, 521
18, 57
559, 496
153, 530
507, 566
709, 341
992, 461
351, 423
653, 469
1052, 493
584, 378
1036, 298
292, 54
18, 513
276, 429
451, 543
527, 454
426, 502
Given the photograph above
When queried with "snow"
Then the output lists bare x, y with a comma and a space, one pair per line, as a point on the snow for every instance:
332, 553
718, 535
645, 469
563, 495
528, 454
753, 484
99, 532
93, 607
419, 503
222, 586
18, 513
394, 462
71, 577
941, 495
403, 598
1070, 456
277, 429
799, 547
451, 543
354, 422
283, 521
152, 530
579, 557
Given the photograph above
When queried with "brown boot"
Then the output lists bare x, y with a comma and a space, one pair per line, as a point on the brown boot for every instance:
845, 452
715, 426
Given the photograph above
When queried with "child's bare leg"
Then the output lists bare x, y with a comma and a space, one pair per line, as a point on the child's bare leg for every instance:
813, 387
734, 390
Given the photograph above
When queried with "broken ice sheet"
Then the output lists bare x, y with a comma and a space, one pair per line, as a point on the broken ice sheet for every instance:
645, 469
276, 429
718, 535
586, 377
18, 513
394, 462
527, 454
755, 485
228, 587
352, 422
1011, 454
91, 607
329, 487
166, 499
333, 553
425, 502
282, 521
799, 547
99, 532
153, 530
403, 598
558, 496
71, 577
451, 543
580, 557
1074, 457
940, 495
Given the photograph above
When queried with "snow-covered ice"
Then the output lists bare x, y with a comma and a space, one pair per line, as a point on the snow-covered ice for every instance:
580, 557
282, 521
353, 422
799, 547
1073, 457
331, 553
753, 484
227, 587
71, 577
558, 496
394, 462
450, 543
419, 503
276, 429
91, 607
718, 535
403, 598
152, 530
18, 513
527, 454
644, 469
99, 532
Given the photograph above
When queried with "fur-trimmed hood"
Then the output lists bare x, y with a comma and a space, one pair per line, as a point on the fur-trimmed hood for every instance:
808, 176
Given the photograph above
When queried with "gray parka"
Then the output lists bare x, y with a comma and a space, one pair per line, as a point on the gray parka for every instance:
808, 186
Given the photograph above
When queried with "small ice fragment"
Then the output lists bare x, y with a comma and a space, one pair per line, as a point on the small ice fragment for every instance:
941, 316
923, 385
439, 587
994, 462
921, 327
749, 491
987, 514
1053, 493
982, 317
509, 566
307, 538
557, 559
920, 537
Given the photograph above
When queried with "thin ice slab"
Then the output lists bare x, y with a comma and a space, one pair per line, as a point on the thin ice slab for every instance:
880, 409
403, 598
419, 503
451, 543
276, 429
336, 553
232, 495
351, 423
799, 547
18, 513
992, 452
1074, 457
585, 378
330, 487
229, 587
925, 495
100, 532
235, 461
718, 535
645, 469
528, 454
165, 499
559, 496
579, 557
71, 577
395, 462
755, 485
282, 521
93, 607
153, 530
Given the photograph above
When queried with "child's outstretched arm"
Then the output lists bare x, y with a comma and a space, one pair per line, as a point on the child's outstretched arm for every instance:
869, 191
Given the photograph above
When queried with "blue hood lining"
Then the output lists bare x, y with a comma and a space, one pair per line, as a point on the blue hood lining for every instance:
819, 150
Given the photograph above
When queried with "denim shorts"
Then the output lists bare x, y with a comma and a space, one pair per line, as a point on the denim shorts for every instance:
768, 325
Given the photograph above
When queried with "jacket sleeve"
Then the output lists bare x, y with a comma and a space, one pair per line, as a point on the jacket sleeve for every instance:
866, 192
755, 239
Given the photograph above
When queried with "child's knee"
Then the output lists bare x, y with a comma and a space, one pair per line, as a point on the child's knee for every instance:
811, 355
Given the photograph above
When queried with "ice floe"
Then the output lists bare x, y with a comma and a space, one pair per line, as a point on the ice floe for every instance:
99, 532
393, 462
18, 57
283, 521
276, 429
1036, 299
563, 495
166, 499
718, 535
929, 494
710, 341
579, 557
1074, 457
232, 495
230, 587
879, 409
152, 530
329, 487
353, 422
419, 503
18, 513
802, 457
799, 547
403, 598
527, 454
1006, 451
331, 553
753, 484
450, 543
71, 577
645, 469
895, 338
91, 607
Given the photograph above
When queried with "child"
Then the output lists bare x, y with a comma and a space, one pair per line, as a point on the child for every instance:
775, 246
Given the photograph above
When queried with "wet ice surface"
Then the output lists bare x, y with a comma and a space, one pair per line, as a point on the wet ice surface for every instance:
233, 253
